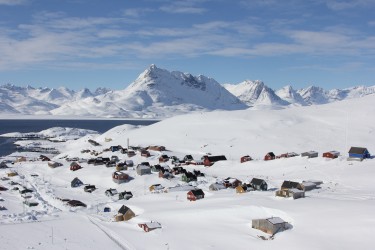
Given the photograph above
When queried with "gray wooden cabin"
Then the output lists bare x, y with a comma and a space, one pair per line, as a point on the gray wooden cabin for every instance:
143, 169
271, 225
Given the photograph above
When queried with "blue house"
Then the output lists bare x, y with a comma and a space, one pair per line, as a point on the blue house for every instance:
359, 153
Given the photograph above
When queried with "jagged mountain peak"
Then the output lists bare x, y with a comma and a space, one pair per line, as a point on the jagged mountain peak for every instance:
287, 93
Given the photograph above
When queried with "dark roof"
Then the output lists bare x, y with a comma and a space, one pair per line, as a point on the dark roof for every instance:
75, 203
216, 158
124, 209
76, 180
290, 184
257, 181
357, 150
271, 154
197, 192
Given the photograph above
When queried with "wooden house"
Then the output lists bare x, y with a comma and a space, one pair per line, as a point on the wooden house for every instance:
194, 195
111, 192
259, 184
269, 156
310, 154
357, 153
145, 153
293, 192
245, 158
89, 188
331, 154
231, 182
115, 148
120, 177
188, 177
178, 170
271, 225
156, 188
216, 186
165, 173
126, 213
209, 160
244, 188
156, 148
20, 159
143, 169
188, 158
121, 166
149, 226
163, 158
76, 183
125, 195
54, 164
74, 166
130, 153
156, 168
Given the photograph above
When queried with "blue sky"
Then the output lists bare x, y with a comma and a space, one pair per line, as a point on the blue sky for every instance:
96, 43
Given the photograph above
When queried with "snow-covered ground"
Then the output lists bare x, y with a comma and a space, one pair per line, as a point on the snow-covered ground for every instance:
338, 215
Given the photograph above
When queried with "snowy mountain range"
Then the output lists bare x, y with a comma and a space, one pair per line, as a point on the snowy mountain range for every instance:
158, 93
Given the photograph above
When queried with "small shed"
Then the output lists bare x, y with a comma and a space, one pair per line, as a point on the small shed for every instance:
308, 185
310, 154
125, 195
271, 225
54, 164
121, 166
209, 160
89, 188
76, 182
126, 213
194, 195
143, 169
216, 186
120, 177
111, 192
259, 184
331, 154
357, 153
269, 156
293, 192
74, 166
245, 158
156, 188
149, 226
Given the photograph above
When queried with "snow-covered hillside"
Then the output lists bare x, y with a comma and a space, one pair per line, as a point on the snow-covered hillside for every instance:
337, 215
157, 93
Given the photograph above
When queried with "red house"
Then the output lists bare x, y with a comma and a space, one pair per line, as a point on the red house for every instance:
246, 158
163, 158
269, 156
209, 160
75, 166
331, 154
145, 153
194, 195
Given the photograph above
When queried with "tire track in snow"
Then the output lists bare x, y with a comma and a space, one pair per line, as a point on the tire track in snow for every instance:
111, 236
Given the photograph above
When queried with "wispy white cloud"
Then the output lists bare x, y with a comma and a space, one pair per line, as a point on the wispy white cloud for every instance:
348, 4
13, 2
183, 7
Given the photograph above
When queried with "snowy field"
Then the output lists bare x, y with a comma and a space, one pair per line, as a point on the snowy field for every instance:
338, 215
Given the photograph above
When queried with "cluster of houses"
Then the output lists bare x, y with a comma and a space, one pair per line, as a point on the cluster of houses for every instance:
273, 225
355, 153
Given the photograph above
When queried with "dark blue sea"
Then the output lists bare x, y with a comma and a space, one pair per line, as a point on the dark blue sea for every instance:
26, 126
